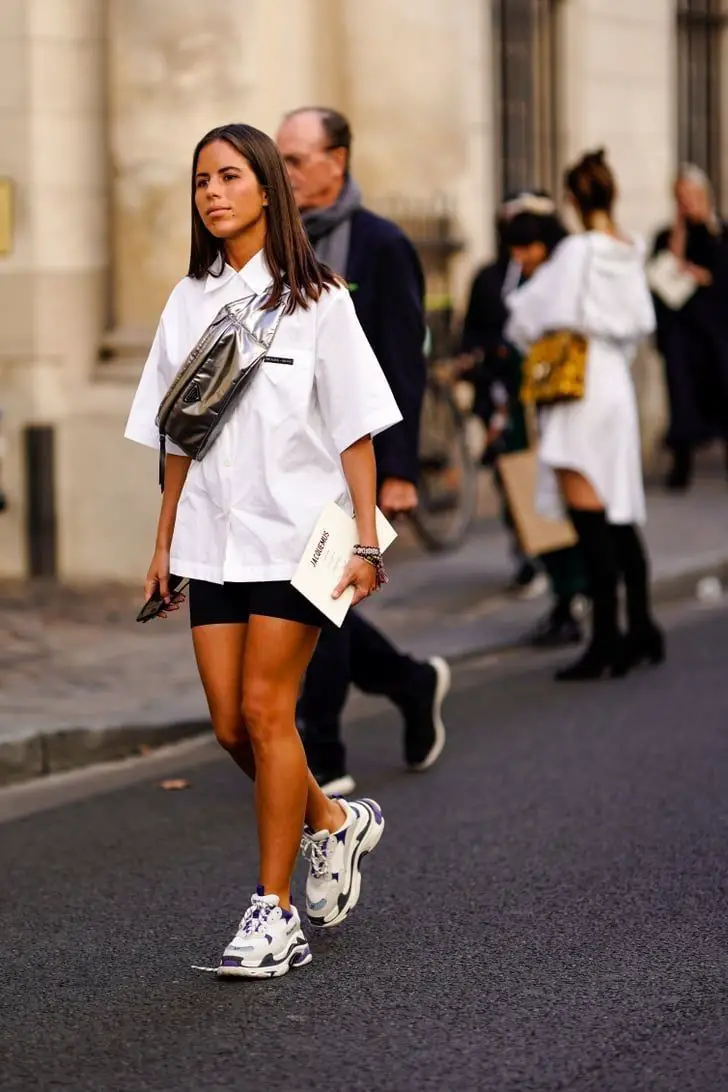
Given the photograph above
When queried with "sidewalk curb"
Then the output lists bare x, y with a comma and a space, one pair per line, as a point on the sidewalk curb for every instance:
72, 748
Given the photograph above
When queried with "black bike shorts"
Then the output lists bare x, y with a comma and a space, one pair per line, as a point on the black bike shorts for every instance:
233, 602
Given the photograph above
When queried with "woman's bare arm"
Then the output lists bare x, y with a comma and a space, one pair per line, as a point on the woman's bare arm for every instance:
360, 471
175, 475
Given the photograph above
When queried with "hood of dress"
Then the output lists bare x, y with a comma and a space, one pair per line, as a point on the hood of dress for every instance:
617, 303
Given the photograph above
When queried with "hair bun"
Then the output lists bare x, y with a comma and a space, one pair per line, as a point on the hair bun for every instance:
592, 183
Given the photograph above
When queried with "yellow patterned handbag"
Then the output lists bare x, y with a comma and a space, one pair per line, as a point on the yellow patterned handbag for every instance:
554, 369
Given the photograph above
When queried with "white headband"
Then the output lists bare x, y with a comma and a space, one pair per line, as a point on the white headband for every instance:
528, 202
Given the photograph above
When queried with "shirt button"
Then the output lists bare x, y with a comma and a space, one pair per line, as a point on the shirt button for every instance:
228, 462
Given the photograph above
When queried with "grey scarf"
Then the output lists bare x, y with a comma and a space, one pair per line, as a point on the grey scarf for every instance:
329, 229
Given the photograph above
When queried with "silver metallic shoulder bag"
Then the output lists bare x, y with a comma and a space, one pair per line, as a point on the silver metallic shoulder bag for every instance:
215, 375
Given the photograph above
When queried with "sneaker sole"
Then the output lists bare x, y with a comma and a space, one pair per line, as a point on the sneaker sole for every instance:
442, 689
339, 786
533, 590
298, 957
367, 845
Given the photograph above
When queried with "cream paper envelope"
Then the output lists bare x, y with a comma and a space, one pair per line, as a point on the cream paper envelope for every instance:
326, 556
670, 281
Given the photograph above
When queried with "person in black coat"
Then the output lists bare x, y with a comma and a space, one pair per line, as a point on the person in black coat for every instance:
387, 287
693, 339
528, 230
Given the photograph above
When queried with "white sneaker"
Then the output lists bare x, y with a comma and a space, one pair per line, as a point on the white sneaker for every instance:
334, 877
338, 786
269, 941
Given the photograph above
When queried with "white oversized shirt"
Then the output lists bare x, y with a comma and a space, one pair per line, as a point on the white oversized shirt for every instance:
248, 508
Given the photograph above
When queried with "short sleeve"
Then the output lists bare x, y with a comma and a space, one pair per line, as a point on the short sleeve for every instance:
155, 381
353, 393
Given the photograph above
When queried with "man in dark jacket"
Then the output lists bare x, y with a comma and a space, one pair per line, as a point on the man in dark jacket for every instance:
387, 288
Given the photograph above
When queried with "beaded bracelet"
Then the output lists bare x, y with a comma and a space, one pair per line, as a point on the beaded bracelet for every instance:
373, 556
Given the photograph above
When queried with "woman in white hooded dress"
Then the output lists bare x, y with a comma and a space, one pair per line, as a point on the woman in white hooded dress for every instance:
590, 450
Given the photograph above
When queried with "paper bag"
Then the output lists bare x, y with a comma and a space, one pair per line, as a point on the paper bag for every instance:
536, 534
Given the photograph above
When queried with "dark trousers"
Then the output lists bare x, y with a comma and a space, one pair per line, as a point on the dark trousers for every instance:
566, 573
696, 370
359, 654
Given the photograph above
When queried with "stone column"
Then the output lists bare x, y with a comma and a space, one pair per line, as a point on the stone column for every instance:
177, 68
419, 91
52, 285
619, 75
620, 87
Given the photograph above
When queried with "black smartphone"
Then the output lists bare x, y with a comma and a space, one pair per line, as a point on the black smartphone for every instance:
156, 605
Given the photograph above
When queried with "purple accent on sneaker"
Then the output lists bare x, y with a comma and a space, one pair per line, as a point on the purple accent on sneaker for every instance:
334, 875
341, 835
269, 938
287, 914
260, 890
231, 962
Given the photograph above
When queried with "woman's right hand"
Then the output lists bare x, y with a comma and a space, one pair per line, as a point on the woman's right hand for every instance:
158, 576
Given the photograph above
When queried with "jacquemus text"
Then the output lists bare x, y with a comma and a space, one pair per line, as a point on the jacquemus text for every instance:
319, 548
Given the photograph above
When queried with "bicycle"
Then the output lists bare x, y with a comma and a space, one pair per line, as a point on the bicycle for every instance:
448, 473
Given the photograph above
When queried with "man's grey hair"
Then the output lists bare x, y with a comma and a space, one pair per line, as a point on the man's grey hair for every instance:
335, 125
691, 172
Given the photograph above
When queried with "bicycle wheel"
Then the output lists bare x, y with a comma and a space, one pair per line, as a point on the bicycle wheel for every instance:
448, 475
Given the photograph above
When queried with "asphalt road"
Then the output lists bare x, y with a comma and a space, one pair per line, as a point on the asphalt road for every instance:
546, 912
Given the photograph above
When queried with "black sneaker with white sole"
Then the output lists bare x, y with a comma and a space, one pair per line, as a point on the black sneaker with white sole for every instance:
424, 731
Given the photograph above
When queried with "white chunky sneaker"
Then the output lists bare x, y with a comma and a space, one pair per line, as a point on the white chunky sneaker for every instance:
269, 941
334, 877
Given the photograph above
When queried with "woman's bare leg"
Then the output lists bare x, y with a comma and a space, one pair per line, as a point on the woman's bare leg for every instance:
220, 652
277, 653
578, 492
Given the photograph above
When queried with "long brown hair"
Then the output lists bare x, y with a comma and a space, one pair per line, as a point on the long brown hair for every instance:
289, 254
592, 185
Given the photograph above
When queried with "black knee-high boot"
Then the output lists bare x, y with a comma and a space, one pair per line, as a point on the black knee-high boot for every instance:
605, 655
645, 640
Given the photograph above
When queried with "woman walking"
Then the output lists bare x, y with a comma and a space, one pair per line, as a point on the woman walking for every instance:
237, 522
595, 285
532, 236
692, 335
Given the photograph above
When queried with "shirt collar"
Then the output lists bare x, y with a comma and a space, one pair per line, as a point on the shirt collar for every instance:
255, 274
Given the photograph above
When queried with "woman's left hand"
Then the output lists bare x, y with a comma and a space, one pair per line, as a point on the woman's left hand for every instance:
359, 575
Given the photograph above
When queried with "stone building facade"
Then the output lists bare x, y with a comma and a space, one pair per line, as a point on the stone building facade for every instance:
102, 101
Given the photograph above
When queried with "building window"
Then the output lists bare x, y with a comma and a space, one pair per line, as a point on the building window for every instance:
527, 94
701, 25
